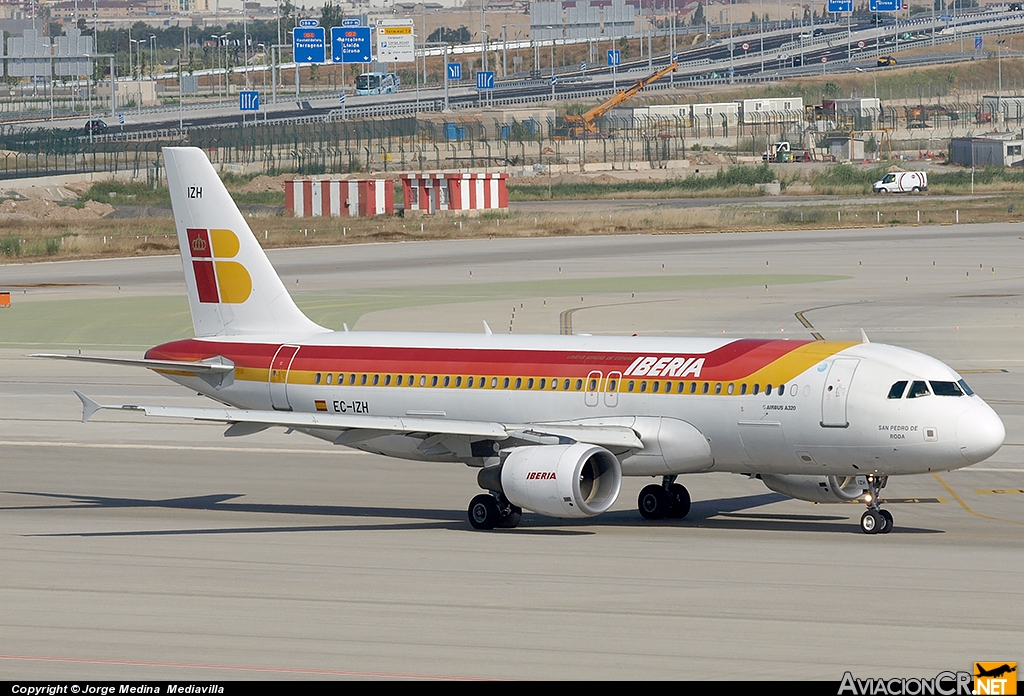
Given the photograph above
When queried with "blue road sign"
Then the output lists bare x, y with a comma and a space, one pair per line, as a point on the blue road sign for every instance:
120, 118
308, 23
978, 43
248, 101
455, 71
351, 45
554, 80
341, 98
350, 22
583, 66
884, 5
614, 57
485, 79
309, 44
840, 6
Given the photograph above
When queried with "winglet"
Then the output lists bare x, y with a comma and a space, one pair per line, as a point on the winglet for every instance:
864, 337
89, 406
487, 329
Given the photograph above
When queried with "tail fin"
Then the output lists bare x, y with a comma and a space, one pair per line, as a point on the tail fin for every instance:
232, 288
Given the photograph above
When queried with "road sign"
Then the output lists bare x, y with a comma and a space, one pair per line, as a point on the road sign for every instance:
350, 22
485, 79
309, 44
395, 41
838, 6
554, 80
884, 5
455, 71
824, 59
351, 45
248, 101
308, 23
583, 66
341, 98
862, 43
978, 42
614, 57
745, 45
120, 118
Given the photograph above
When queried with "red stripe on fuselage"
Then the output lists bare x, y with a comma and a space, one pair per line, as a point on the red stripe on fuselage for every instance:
732, 361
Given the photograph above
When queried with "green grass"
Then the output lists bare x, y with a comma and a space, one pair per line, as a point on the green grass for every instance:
136, 323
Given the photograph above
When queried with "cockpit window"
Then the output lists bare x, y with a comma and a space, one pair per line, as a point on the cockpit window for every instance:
918, 389
896, 390
967, 390
946, 389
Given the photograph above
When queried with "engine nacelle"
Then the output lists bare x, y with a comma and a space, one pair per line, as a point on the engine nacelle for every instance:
578, 480
817, 489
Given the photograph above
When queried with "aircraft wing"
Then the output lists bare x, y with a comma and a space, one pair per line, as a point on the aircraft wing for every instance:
352, 428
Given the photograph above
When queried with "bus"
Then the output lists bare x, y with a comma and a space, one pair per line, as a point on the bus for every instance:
376, 83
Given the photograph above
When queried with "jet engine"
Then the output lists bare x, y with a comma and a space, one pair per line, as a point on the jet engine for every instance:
577, 480
817, 489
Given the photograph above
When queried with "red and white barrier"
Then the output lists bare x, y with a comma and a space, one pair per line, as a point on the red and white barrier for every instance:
431, 193
353, 198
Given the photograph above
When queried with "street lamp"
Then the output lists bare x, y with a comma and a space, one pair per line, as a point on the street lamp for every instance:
872, 79
181, 94
152, 52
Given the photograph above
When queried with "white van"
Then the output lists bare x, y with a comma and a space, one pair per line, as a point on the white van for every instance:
902, 182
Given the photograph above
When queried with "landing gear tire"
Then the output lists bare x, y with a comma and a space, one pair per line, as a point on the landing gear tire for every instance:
680, 501
654, 502
484, 512
887, 518
511, 518
871, 522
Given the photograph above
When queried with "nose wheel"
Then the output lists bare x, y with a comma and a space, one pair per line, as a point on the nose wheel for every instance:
876, 520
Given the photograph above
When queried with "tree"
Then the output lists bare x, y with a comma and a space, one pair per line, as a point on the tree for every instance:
331, 15
698, 16
451, 36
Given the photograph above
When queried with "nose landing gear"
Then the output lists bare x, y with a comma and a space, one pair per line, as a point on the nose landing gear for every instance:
876, 520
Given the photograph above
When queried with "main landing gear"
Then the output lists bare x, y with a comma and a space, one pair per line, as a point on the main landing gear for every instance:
876, 520
493, 510
670, 500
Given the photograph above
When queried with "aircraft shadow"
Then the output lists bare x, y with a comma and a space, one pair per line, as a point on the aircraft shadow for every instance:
721, 513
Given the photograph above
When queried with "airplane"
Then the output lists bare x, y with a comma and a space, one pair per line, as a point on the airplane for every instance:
996, 672
552, 423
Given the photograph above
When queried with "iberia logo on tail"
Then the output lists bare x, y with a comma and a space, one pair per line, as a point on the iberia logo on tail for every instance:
218, 280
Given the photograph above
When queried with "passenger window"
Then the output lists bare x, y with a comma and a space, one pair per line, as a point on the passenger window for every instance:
946, 389
693, 387
565, 385
317, 379
458, 381
768, 390
423, 380
519, 382
680, 387
743, 389
579, 384
654, 386
469, 383
504, 383
631, 386
543, 383
757, 389
704, 389
483, 381
967, 390
918, 389
896, 390
398, 381
387, 380
376, 380
554, 384
593, 385
718, 388
782, 390
529, 383
494, 382
362, 379
433, 381
611, 385
352, 379
730, 389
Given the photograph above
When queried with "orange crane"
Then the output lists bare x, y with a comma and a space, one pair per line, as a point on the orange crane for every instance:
582, 126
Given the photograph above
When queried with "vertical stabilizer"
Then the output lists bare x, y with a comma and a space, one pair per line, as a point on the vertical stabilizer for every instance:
232, 288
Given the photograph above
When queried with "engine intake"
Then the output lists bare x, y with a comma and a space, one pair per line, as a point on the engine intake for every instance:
817, 489
577, 480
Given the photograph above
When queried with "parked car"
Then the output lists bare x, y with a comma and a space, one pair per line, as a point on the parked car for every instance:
96, 127
902, 182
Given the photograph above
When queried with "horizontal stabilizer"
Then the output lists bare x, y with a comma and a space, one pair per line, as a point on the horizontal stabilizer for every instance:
198, 368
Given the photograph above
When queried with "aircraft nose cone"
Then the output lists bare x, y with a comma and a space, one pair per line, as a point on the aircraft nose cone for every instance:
979, 434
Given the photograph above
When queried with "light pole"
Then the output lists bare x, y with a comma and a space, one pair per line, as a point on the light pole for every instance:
181, 94
872, 79
152, 53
